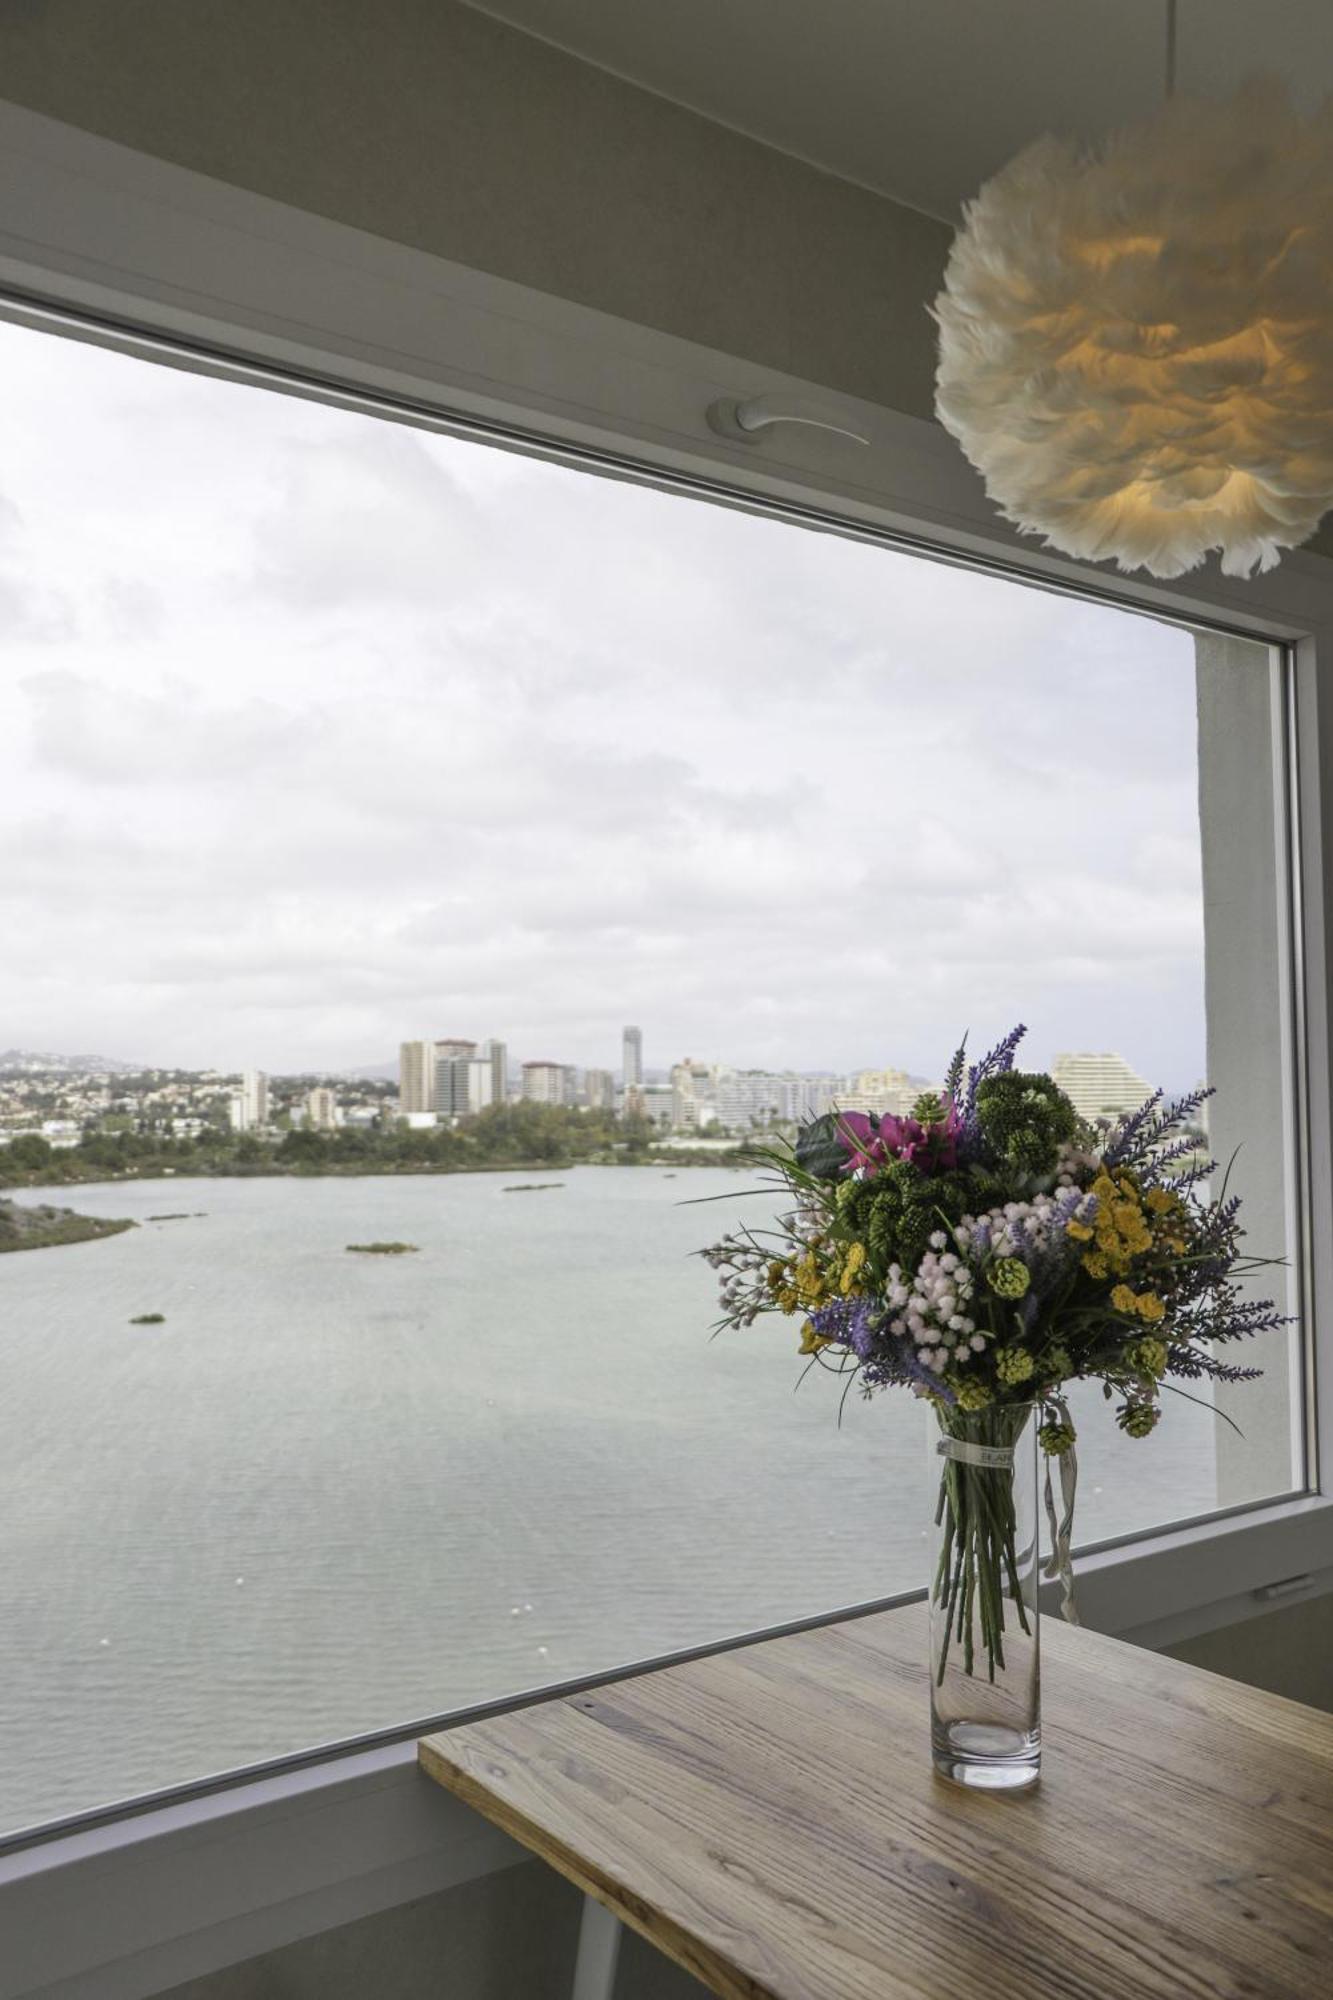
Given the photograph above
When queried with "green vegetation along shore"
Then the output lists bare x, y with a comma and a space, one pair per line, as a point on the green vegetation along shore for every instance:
506, 1137
41, 1228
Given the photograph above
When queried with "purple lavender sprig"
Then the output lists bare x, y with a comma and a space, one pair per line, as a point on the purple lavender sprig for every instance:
997, 1060
1139, 1133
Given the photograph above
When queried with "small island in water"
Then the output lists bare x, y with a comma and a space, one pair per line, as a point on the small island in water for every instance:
382, 1249
41, 1227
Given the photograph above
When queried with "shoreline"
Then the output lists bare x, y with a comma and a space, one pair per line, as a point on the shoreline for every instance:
352, 1170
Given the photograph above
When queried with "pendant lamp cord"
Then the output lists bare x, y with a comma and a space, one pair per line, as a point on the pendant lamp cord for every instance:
1170, 49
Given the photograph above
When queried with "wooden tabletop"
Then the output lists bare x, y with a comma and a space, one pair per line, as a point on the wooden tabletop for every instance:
770, 1819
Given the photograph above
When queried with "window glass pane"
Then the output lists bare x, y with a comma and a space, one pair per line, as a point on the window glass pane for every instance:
323, 740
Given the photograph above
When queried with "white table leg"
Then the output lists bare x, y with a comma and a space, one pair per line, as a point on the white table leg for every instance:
599, 1949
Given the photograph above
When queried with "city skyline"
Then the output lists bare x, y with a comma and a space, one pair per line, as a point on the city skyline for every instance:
393, 728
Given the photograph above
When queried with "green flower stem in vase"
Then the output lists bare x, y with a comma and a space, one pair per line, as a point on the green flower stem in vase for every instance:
985, 1679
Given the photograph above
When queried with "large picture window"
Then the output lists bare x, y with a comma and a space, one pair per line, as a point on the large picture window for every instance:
425, 867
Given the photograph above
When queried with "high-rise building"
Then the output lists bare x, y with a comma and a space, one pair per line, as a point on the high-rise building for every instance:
497, 1054
880, 1091
416, 1077
599, 1089
655, 1102
454, 1046
464, 1085
693, 1095
248, 1107
321, 1108
632, 1058
544, 1082
748, 1098
1099, 1086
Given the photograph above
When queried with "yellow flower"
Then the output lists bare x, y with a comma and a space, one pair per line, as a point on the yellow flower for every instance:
972, 1395
1079, 1231
1161, 1201
1095, 1264
1148, 1306
1123, 1299
856, 1257
811, 1342
809, 1282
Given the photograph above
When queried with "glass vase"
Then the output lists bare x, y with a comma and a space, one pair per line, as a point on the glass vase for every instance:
985, 1681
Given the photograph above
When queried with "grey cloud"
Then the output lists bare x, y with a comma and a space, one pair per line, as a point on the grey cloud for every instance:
365, 734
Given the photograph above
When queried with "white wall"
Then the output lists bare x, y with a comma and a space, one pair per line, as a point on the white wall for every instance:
439, 128
510, 1937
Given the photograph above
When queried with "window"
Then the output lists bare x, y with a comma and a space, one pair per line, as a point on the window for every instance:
363, 792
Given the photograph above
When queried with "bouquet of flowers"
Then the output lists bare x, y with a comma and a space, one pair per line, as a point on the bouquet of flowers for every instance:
984, 1253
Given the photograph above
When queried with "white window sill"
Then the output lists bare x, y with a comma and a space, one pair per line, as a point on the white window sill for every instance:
127, 1905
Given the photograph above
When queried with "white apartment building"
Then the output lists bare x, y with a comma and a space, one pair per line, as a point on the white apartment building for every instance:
693, 1095
654, 1101
321, 1108
416, 1077
599, 1089
497, 1054
247, 1108
880, 1091
631, 1061
464, 1085
544, 1082
1099, 1086
749, 1098
807, 1097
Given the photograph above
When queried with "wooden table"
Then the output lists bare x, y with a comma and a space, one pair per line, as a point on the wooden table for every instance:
769, 1818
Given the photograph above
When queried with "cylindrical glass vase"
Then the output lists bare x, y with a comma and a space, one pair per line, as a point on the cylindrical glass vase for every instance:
985, 1679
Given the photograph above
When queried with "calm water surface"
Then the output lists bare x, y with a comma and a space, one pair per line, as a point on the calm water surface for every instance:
334, 1494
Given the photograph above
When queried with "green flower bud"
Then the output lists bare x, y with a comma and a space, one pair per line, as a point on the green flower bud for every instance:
1137, 1419
1148, 1356
1009, 1277
1056, 1439
1014, 1365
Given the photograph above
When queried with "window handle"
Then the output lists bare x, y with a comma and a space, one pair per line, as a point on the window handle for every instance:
746, 421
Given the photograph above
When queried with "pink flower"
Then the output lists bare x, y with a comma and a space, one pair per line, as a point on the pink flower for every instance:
872, 1142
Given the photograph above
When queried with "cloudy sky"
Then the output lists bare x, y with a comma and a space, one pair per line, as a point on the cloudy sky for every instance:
317, 734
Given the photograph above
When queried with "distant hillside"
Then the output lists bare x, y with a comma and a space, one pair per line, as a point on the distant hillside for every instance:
31, 1061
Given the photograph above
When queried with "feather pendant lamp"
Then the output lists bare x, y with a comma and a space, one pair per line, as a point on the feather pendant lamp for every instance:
1136, 343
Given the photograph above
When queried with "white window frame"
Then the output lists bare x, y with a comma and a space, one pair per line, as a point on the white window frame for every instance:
132, 247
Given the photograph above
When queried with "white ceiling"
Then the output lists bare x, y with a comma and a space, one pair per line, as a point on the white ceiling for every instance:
922, 99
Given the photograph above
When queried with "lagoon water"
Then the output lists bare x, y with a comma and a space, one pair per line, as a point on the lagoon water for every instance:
333, 1494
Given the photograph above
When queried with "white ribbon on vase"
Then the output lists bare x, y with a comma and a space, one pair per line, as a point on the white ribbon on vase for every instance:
1000, 1455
